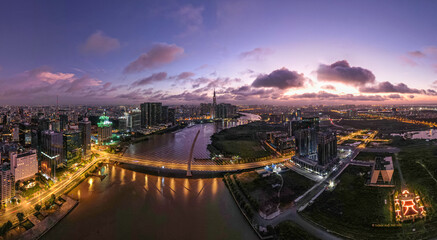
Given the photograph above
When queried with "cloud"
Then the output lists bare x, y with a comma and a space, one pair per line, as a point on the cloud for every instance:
387, 87
160, 54
99, 43
328, 87
395, 96
281, 78
190, 17
256, 54
156, 77
346, 97
185, 75
342, 72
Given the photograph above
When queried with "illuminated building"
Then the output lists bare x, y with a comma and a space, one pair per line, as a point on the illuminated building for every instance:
24, 165
151, 113
7, 183
51, 152
104, 130
408, 206
72, 145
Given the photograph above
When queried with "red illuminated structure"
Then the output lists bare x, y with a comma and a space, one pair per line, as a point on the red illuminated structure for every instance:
408, 206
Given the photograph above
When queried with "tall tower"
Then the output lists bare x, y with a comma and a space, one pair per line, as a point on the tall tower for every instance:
214, 106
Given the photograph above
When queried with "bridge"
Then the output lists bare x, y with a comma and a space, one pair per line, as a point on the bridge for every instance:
195, 167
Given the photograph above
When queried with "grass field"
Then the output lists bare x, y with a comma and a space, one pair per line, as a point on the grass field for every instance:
382, 125
242, 141
352, 207
262, 191
288, 230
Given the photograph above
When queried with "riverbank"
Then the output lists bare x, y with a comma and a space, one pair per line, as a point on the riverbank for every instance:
41, 227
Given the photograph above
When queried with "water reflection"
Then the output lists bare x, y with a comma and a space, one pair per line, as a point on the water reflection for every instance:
134, 175
90, 183
214, 187
156, 213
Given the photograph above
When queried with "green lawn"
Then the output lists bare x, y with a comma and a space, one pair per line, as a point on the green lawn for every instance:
352, 207
288, 230
382, 125
242, 141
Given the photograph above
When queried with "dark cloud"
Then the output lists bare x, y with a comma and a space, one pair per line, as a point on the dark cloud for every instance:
160, 54
256, 54
185, 75
328, 87
281, 78
387, 87
99, 43
395, 96
156, 77
342, 72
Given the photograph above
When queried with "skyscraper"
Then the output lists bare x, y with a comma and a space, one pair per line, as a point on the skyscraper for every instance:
85, 128
151, 113
136, 119
51, 151
214, 106
72, 141
7, 183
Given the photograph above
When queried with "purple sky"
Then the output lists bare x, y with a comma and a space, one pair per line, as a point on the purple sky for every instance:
276, 52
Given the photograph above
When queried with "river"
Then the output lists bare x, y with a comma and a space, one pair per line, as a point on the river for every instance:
175, 147
133, 205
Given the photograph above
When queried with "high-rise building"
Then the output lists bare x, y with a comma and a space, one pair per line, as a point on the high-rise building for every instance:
225, 110
63, 121
136, 119
214, 106
72, 141
122, 123
151, 113
24, 165
25, 134
104, 130
7, 183
51, 152
315, 149
172, 116
326, 148
164, 114
85, 128
16, 134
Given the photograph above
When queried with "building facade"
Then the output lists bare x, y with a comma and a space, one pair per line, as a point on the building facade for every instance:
151, 113
24, 165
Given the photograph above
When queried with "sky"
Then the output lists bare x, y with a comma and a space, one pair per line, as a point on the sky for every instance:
249, 51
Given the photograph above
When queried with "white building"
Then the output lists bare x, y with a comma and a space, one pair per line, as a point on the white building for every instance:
24, 165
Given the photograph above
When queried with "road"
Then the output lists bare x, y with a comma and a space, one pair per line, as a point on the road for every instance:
27, 206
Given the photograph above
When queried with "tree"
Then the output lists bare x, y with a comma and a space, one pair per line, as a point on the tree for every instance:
20, 216
37, 207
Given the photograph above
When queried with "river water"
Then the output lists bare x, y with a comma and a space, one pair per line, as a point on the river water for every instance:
175, 147
133, 205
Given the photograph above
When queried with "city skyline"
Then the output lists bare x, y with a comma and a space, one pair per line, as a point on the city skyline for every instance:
280, 53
